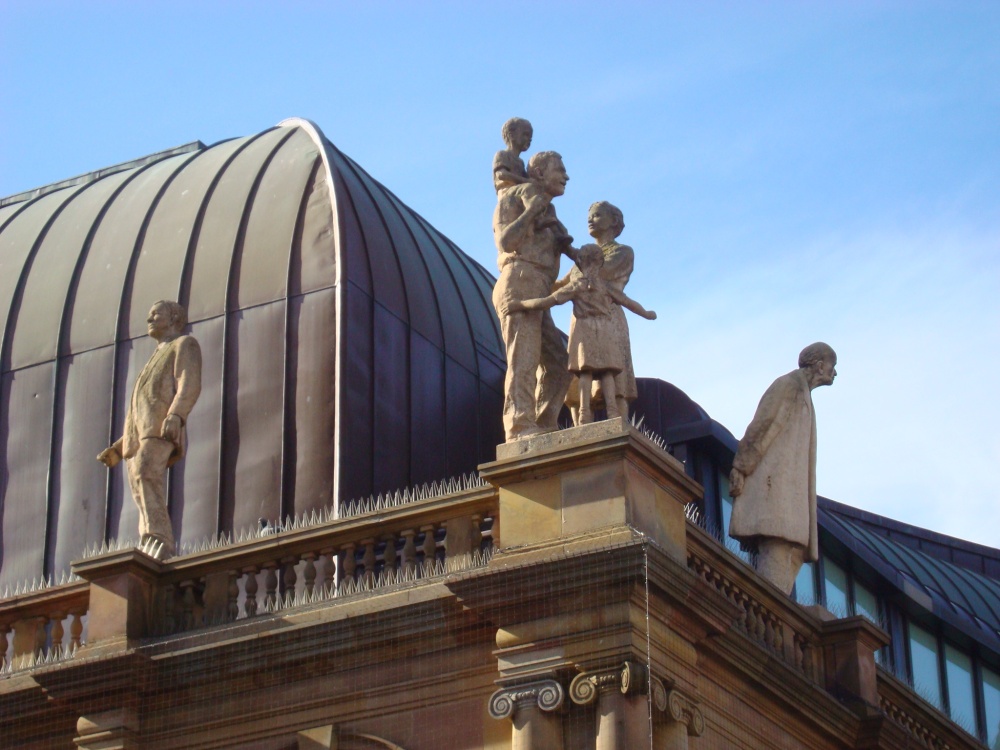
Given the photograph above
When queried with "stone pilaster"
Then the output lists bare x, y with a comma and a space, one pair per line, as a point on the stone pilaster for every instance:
531, 709
622, 718
681, 717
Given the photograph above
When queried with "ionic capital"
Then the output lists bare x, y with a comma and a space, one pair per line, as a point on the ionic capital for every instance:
546, 694
629, 678
678, 707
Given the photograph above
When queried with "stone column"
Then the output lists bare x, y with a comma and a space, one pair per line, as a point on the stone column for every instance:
531, 708
622, 719
682, 716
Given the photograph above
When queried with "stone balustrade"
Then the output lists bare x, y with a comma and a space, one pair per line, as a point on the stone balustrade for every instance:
316, 562
766, 616
276, 568
46, 622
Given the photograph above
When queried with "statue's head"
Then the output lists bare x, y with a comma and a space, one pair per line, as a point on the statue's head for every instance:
547, 170
166, 320
605, 219
821, 361
517, 133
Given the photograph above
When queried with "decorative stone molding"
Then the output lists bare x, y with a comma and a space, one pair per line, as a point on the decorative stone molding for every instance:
630, 678
678, 707
547, 695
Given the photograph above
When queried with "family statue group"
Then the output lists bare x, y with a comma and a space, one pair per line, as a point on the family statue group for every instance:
531, 242
773, 479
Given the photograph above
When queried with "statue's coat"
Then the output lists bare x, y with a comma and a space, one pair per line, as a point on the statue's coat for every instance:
778, 457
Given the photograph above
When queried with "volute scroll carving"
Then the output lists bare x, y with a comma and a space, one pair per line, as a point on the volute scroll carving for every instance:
678, 707
630, 678
548, 695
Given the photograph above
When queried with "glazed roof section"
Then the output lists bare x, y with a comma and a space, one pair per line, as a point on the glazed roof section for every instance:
962, 597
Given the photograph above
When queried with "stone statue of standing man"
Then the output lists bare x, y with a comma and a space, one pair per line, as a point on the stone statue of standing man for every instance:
773, 481
163, 396
531, 240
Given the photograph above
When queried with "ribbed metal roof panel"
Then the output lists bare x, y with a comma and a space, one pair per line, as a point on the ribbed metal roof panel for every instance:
343, 340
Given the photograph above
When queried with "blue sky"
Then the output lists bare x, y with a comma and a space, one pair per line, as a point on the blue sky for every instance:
789, 172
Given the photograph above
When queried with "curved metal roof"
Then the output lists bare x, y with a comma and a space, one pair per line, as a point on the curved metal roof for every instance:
966, 600
348, 346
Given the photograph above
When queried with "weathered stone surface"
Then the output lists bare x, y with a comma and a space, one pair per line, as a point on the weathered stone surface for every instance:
164, 394
773, 481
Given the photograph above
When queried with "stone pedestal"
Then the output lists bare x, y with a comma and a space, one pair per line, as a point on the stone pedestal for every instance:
563, 484
848, 646
121, 598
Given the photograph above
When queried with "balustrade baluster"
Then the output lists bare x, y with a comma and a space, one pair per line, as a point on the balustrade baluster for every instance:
289, 576
429, 548
250, 589
309, 572
779, 636
744, 616
757, 621
769, 631
56, 618
41, 635
368, 560
4, 643
76, 629
350, 562
409, 551
389, 554
270, 584
807, 662
327, 570
233, 596
477, 532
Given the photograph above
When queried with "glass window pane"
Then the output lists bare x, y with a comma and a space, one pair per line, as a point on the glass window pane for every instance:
924, 664
961, 700
727, 512
991, 701
866, 603
805, 585
836, 588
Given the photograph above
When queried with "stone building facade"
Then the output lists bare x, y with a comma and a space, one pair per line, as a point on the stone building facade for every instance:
575, 591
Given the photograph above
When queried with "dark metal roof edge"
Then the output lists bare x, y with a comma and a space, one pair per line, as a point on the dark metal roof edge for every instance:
99, 173
703, 428
940, 607
935, 537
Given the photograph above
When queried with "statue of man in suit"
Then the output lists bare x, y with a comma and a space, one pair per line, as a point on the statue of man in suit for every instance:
773, 481
163, 396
